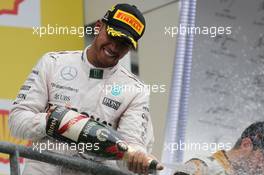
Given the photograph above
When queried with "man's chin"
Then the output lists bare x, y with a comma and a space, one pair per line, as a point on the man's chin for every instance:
106, 64
109, 61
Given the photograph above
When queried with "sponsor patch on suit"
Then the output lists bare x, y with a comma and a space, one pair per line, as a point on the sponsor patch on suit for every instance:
111, 103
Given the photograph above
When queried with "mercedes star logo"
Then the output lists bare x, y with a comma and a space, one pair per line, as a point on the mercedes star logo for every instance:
68, 73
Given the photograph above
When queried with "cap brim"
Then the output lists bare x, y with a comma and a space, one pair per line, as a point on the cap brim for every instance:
118, 32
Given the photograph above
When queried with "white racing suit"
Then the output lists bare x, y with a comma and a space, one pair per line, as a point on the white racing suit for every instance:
112, 96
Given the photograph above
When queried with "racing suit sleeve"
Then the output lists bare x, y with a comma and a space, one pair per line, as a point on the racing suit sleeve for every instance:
27, 119
135, 124
136, 127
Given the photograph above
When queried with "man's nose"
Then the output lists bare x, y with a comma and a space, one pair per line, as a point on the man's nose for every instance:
116, 45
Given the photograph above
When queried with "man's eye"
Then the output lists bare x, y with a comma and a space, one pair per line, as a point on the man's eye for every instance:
125, 44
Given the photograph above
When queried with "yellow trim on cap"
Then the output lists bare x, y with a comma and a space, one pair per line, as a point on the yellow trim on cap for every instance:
130, 20
111, 31
112, 8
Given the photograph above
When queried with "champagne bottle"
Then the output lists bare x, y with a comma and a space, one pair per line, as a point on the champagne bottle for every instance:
72, 127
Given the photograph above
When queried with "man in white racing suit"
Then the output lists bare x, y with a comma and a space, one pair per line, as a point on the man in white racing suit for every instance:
93, 82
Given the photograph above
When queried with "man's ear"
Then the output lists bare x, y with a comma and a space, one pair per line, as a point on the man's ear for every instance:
246, 144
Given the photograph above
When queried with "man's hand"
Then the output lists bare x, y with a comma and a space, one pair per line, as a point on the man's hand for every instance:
138, 162
49, 110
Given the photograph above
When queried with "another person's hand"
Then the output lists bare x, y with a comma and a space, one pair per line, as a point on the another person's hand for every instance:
138, 162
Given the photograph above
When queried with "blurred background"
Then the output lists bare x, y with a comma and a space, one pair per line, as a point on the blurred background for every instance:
226, 80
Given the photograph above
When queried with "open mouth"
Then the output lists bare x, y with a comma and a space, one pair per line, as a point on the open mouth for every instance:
109, 53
